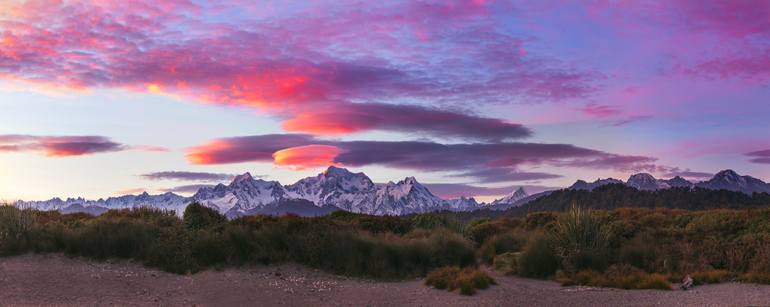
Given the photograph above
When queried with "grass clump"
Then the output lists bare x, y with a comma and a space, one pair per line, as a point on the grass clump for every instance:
711, 277
580, 240
538, 259
467, 280
502, 243
14, 222
621, 276
507, 263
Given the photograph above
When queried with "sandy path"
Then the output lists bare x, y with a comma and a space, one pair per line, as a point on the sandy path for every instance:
57, 280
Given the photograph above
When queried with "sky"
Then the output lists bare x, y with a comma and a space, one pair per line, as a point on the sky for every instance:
474, 98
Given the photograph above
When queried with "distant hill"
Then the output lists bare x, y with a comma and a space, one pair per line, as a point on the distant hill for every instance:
613, 196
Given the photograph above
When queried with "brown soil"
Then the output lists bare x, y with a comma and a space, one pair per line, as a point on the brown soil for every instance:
34, 280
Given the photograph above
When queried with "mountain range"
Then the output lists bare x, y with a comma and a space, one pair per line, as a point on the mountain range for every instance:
724, 180
339, 189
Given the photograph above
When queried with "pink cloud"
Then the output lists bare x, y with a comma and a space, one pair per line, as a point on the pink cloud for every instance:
174, 48
486, 162
65, 146
600, 111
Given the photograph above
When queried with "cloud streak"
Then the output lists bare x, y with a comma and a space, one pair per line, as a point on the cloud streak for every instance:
760, 157
187, 176
488, 162
59, 146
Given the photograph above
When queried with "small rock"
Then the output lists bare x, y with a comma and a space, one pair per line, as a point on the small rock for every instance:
687, 283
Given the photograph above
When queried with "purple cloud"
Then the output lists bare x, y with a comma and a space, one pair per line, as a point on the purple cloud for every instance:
761, 157
480, 160
187, 176
300, 66
186, 189
505, 175
59, 146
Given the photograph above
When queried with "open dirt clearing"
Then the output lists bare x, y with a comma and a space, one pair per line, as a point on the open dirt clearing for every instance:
34, 280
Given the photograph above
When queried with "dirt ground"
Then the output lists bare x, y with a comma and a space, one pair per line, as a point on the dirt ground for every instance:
35, 280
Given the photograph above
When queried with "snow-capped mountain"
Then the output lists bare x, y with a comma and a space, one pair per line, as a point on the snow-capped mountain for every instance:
242, 195
646, 182
405, 197
724, 180
515, 196
730, 180
337, 187
678, 182
463, 204
166, 201
589, 186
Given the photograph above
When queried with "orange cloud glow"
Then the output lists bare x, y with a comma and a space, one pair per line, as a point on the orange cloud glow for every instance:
309, 156
319, 124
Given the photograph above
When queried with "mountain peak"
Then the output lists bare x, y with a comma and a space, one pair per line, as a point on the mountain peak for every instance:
515, 196
244, 177
641, 176
727, 173
646, 182
334, 171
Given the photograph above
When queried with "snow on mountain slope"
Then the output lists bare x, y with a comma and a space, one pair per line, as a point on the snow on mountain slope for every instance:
242, 195
646, 182
583, 185
730, 180
405, 197
515, 196
167, 201
338, 188
679, 182
335, 187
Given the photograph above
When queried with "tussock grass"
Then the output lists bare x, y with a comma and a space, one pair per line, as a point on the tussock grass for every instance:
622, 276
467, 280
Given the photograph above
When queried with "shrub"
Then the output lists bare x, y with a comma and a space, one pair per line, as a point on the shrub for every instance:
14, 223
755, 277
622, 277
107, 238
538, 259
479, 230
639, 252
507, 263
501, 243
711, 277
467, 280
197, 216
580, 240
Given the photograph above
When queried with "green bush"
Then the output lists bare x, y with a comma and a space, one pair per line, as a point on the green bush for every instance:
467, 280
507, 263
538, 259
197, 216
14, 224
502, 243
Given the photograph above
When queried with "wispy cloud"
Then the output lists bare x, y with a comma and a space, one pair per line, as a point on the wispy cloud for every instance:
187, 176
488, 162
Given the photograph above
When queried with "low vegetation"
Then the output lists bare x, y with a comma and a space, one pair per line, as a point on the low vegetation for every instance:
347, 244
466, 280
622, 248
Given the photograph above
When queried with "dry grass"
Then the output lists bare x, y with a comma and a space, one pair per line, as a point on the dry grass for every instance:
711, 277
622, 277
467, 280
